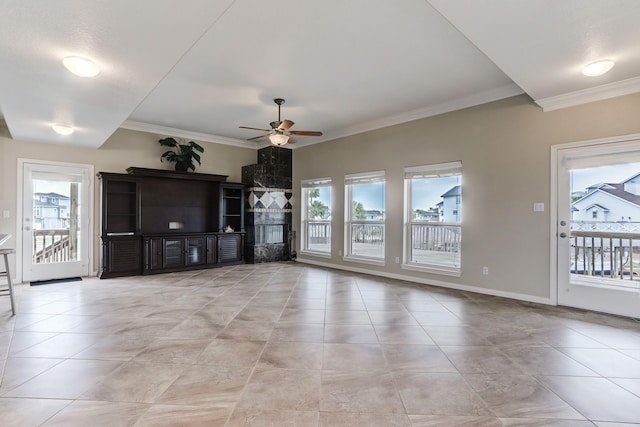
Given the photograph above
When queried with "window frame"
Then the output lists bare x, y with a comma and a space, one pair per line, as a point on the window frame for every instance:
430, 171
305, 221
355, 179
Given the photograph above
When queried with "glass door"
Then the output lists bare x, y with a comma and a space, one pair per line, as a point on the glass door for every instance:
174, 252
55, 221
598, 227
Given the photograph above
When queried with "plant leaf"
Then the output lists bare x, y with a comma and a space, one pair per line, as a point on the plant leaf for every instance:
197, 147
168, 142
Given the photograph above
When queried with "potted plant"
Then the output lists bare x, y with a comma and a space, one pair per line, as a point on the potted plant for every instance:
182, 155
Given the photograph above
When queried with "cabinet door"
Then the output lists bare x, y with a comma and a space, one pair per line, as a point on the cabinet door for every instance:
121, 256
212, 253
153, 254
230, 247
174, 253
195, 250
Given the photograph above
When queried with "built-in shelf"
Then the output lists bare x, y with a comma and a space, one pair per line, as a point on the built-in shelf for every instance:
140, 211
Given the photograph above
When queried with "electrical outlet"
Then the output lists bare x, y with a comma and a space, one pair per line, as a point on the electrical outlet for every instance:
485, 271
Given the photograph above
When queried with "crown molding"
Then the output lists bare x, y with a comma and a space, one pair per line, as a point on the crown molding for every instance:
598, 93
181, 133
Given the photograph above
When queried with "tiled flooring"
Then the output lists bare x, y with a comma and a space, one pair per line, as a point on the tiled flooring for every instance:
293, 345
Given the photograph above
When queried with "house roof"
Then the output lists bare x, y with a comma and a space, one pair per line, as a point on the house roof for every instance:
618, 191
598, 206
455, 191
343, 67
614, 189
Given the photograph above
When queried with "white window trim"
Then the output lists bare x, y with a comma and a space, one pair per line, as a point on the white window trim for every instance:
313, 183
316, 253
426, 171
361, 178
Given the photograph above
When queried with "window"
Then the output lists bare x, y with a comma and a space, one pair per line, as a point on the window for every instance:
433, 215
316, 216
594, 214
365, 217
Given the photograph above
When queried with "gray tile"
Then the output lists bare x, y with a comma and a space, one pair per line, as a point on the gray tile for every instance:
597, 398
606, 362
520, 396
282, 389
366, 391
295, 345
439, 394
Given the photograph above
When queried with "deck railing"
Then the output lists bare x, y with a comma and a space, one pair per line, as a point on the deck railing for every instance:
318, 232
441, 237
605, 254
51, 246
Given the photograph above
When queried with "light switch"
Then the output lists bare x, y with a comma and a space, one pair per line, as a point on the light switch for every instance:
538, 207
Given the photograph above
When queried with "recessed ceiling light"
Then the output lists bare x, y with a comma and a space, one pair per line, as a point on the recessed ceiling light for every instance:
598, 68
82, 67
62, 128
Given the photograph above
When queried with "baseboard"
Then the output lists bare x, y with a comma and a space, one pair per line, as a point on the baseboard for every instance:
432, 282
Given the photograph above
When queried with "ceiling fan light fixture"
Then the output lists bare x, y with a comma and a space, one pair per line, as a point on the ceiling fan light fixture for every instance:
62, 129
598, 68
80, 66
279, 139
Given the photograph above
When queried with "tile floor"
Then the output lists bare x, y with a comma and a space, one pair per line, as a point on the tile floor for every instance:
286, 344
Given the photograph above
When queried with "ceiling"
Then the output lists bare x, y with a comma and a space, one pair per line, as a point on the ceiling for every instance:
199, 69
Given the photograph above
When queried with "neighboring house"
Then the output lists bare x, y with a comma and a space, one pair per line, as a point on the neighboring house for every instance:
50, 211
440, 208
610, 202
431, 215
451, 208
374, 215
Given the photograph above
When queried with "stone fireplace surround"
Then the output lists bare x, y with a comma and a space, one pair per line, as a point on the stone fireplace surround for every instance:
268, 218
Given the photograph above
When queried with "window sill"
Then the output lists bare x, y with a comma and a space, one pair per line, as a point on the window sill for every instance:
445, 271
369, 261
317, 254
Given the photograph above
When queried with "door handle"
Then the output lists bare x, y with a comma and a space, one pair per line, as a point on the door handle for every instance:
563, 235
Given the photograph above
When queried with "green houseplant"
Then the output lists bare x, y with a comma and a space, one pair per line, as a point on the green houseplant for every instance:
183, 155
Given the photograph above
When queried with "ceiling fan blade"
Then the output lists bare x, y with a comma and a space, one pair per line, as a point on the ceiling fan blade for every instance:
258, 137
305, 132
286, 124
246, 127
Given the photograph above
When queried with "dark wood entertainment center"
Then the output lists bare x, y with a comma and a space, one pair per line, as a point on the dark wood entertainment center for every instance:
157, 221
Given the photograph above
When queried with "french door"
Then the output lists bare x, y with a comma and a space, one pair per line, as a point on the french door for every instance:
55, 219
597, 225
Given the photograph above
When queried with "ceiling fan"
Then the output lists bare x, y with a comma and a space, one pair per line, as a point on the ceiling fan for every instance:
280, 133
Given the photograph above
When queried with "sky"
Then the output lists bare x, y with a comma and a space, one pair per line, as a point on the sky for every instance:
372, 197
60, 187
583, 178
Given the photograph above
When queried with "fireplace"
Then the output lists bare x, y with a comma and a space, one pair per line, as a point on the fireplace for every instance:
268, 209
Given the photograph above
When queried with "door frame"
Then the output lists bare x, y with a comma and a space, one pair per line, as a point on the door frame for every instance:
20, 216
553, 202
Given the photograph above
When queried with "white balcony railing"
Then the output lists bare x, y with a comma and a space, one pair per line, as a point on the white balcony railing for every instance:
51, 246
